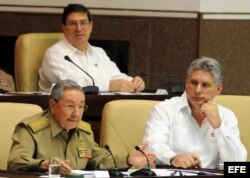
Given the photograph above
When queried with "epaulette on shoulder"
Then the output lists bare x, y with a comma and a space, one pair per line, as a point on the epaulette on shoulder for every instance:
85, 126
39, 124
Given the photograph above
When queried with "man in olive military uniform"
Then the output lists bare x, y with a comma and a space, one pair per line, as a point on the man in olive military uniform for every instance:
7, 83
59, 132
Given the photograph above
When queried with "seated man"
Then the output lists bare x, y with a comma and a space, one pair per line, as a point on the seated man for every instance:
192, 130
7, 83
60, 132
77, 26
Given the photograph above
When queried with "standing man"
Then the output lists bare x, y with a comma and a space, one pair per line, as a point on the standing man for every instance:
192, 130
59, 132
77, 26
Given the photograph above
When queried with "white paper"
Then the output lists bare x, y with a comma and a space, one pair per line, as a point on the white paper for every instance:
101, 173
82, 172
91, 174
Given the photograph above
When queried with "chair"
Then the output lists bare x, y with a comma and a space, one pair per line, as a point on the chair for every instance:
240, 105
29, 51
11, 114
123, 124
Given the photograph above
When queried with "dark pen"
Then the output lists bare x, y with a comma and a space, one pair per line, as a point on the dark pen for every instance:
175, 172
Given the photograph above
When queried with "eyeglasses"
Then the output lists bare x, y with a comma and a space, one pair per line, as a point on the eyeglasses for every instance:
71, 107
82, 23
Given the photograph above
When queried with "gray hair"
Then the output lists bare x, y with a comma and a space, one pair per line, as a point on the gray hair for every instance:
61, 86
209, 65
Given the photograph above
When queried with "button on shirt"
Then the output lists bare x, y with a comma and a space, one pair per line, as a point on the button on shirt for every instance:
96, 62
172, 130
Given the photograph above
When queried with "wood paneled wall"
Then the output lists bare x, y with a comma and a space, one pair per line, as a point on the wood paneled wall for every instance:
162, 45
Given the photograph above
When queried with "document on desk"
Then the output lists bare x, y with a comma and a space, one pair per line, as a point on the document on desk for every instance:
86, 174
91, 174
177, 172
183, 172
169, 172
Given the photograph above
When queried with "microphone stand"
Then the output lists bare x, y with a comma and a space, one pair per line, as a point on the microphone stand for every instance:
144, 171
113, 172
87, 89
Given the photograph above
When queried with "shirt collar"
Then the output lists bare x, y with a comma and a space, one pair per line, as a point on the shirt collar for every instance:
184, 102
56, 128
75, 50
54, 125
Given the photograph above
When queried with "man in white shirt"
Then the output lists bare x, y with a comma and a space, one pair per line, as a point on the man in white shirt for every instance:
192, 130
77, 26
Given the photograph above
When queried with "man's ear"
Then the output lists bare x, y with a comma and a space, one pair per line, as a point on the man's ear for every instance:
62, 27
219, 89
52, 104
91, 26
186, 81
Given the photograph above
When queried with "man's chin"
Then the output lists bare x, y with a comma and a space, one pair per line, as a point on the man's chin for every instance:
72, 125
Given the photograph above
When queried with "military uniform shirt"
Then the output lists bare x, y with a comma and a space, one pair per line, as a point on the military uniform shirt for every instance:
40, 137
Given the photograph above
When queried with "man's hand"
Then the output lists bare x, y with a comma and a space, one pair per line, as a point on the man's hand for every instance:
138, 159
138, 83
65, 168
121, 85
210, 110
188, 160
135, 85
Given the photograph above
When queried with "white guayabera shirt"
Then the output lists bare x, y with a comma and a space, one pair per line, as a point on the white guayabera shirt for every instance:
171, 130
55, 68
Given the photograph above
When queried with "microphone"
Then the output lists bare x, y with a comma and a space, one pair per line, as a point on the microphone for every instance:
140, 150
144, 171
172, 87
113, 172
87, 89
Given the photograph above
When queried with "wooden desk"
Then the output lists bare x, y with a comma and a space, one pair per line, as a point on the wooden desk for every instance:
95, 103
17, 174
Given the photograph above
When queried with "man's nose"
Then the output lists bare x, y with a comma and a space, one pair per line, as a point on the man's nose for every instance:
198, 88
78, 26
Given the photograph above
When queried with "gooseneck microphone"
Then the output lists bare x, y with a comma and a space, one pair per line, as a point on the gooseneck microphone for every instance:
113, 172
144, 171
87, 89
140, 150
108, 149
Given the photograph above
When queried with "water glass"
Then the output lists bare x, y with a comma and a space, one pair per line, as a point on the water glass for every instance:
54, 167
